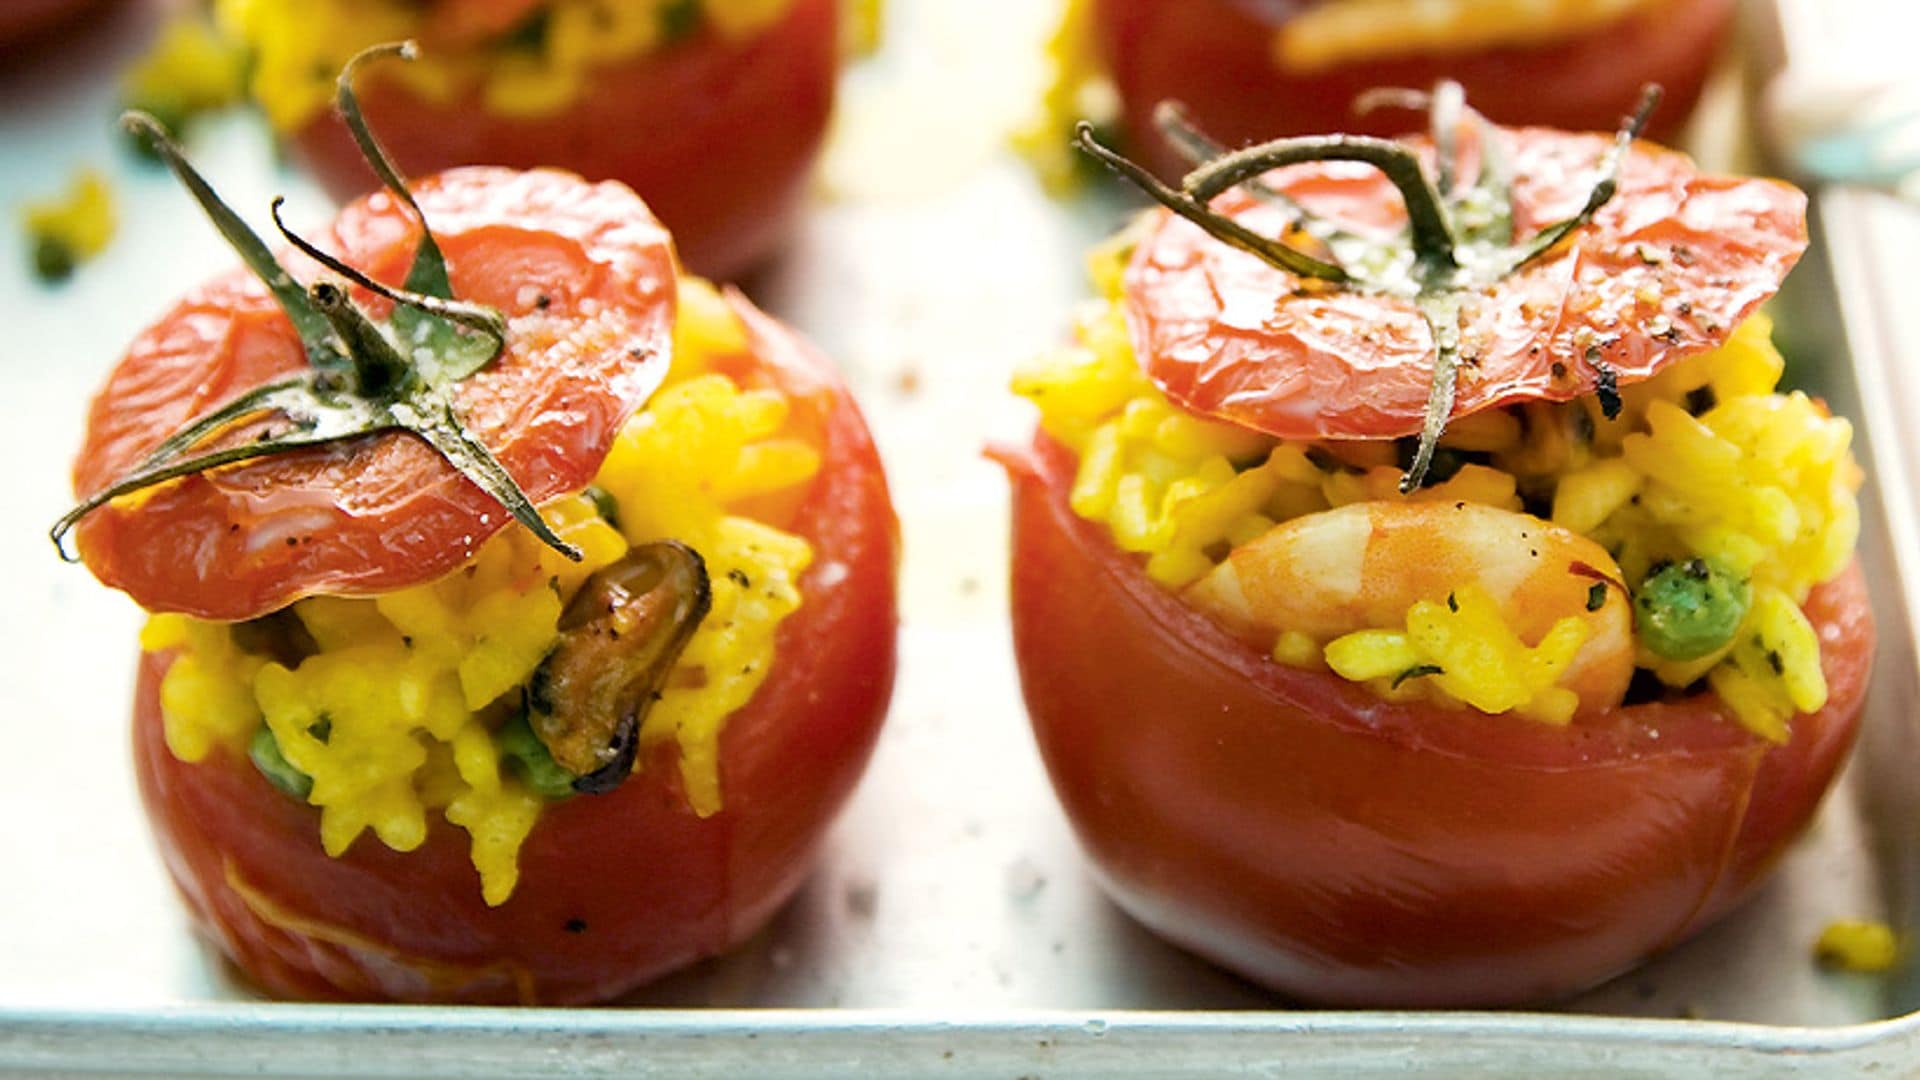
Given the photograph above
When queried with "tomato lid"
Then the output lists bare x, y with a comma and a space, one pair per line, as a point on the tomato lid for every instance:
375, 490
1577, 263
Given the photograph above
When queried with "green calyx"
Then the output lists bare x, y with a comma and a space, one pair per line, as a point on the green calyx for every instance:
1459, 238
363, 377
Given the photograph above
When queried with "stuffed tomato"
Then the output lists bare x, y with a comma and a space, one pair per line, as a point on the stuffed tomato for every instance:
517, 631
1440, 605
713, 110
1249, 71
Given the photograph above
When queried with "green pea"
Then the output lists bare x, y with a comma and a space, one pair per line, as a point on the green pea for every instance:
527, 756
604, 504
265, 752
1686, 610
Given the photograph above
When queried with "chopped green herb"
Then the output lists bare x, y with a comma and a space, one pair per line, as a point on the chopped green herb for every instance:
1417, 671
678, 20
264, 750
531, 34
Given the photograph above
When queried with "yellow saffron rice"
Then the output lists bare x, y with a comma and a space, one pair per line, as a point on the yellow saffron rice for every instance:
393, 718
1859, 946
72, 227
1760, 483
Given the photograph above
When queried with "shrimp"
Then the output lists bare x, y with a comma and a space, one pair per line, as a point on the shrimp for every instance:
1366, 565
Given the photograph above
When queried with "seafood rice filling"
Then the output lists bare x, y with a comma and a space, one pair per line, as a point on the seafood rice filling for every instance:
528, 58
410, 703
1555, 559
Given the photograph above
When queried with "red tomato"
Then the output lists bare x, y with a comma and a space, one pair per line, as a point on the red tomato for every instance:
615, 889
366, 518
1216, 56
1666, 269
719, 137
1298, 829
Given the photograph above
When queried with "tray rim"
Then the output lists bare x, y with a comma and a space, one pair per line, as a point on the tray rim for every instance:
426, 1042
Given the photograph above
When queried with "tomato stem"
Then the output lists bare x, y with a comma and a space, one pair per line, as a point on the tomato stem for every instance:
360, 381
304, 405
1603, 189
1431, 235
1171, 119
1442, 314
380, 371
1218, 225
477, 317
312, 327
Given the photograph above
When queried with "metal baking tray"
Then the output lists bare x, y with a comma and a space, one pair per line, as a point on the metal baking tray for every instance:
952, 928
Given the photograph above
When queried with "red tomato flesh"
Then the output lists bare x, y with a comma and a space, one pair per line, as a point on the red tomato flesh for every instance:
719, 137
376, 515
1296, 828
615, 889
1216, 57
1666, 269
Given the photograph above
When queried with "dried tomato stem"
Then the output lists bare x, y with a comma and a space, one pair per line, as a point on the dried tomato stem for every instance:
472, 316
310, 324
1171, 119
1458, 240
428, 275
380, 371
1449, 101
164, 463
360, 383
1491, 195
1442, 314
1432, 237
436, 422
349, 108
1603, 189
1221, 227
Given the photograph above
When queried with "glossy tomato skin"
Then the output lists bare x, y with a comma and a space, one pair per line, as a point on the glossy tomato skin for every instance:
1215, 55
1295, 828
616, 889
719, 138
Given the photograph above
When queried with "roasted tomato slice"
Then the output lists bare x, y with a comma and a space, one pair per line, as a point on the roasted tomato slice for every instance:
1667, 268
616, 888
1220, 58
586, 278
1295, 827
718, 136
